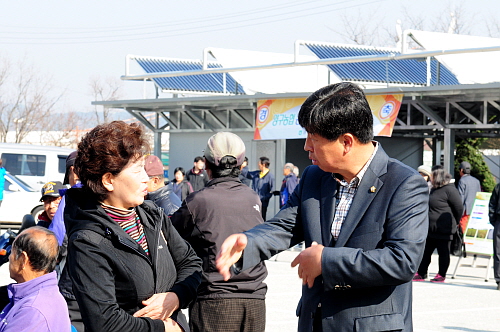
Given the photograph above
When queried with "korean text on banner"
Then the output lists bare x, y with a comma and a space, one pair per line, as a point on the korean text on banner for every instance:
278, 118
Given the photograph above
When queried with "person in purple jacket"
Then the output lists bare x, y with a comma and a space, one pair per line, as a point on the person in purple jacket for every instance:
35, 301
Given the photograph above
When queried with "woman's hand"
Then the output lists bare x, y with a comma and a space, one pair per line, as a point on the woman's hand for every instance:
159, 306
172, 326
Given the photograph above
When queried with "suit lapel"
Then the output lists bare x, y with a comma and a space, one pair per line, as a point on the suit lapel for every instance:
329, 189
368, 189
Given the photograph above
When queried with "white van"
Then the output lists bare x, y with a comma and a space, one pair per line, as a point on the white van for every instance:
34, 164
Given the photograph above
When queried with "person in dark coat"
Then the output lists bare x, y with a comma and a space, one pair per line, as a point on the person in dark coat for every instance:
161, 194
494, 216
225, 206
130, 268
197, 175
181, 187
445, 210
289, 183
263, 183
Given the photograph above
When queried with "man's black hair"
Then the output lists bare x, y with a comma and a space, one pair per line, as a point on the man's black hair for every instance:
338, 109
265, 161
197, 159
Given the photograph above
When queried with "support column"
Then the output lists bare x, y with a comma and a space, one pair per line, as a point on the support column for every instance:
157, 137
437, 150
449, 150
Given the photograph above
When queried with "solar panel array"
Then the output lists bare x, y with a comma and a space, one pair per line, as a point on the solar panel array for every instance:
206, 83
410, 71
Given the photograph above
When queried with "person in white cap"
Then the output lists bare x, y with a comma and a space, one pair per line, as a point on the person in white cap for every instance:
225, 206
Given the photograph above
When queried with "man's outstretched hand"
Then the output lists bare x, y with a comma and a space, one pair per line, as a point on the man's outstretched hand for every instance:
229, 253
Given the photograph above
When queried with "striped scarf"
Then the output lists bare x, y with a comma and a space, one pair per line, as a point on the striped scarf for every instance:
130, 222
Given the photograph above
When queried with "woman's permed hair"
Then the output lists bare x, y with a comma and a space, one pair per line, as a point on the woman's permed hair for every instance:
108, 148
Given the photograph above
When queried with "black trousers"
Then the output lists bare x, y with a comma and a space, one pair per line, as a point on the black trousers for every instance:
228, 315
443, 249
74, 315
496, 251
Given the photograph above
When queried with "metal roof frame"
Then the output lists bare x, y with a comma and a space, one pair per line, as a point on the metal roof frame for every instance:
437, 113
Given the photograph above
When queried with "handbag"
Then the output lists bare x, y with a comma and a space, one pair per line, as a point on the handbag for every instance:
457, 247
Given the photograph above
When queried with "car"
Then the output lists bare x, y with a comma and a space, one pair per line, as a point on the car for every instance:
19, 199
34, 164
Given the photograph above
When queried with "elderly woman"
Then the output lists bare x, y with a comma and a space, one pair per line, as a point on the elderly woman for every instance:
445, 210
131, 270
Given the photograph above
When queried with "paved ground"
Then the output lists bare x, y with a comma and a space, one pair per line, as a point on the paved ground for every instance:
466, 303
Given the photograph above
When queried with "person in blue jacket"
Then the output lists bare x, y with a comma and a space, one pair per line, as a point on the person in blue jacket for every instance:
289, 183
2, 180
263, 183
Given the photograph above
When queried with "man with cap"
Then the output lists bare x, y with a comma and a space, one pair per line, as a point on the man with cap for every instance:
50, 198
158, 192
467, 187
225, 206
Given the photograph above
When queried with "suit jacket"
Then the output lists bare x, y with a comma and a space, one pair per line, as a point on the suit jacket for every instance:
467, 187
366, 274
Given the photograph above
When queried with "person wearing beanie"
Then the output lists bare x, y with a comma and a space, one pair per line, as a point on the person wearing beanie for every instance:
161, 194
467, 187
225, 206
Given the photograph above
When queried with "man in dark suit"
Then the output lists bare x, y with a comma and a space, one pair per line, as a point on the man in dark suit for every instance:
362, 215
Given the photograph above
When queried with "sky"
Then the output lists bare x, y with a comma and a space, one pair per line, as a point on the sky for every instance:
72, 42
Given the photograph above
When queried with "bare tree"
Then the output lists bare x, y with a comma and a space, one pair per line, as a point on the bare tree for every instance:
25, 100
493, 27
458, 21
66, 131
356, 28
104, 90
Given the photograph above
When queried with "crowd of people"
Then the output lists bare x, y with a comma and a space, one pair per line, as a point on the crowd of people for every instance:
119, 249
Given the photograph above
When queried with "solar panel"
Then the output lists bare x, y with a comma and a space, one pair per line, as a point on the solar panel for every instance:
410, 71
206, 83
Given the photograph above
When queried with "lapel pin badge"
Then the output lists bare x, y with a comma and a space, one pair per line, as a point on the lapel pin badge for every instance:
373, 189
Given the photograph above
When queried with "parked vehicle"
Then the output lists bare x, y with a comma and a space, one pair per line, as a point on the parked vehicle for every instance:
34, 164
19, 199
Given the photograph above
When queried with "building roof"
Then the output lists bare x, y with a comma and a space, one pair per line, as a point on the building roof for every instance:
469, 68
279, 80
411, 71
216, 83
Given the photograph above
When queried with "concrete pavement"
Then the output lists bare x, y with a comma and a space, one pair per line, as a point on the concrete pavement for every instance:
466, 303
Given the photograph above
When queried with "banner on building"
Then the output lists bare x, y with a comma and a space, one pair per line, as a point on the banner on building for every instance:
277, 118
